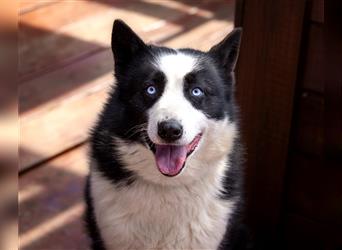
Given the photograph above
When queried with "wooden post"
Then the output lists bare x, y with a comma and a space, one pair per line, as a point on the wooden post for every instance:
266, 78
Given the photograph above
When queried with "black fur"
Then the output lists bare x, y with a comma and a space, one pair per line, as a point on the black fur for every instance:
127, 105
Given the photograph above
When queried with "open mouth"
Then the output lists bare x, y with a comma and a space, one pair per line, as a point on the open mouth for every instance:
171, 159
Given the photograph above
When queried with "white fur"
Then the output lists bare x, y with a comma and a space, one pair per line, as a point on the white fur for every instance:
159, 212
146, 216
173, 104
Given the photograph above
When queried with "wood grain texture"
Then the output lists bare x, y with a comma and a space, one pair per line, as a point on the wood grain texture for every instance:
51, 204
317, 11
308, 125
27, 6
238, 15
56, 124
312, 76
333, 82
314, 189
266, 74
313, 201
84, 27
314, 209
304, 233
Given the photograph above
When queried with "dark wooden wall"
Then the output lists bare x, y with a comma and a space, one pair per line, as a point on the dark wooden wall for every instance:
266, 76
313, 209
291, 124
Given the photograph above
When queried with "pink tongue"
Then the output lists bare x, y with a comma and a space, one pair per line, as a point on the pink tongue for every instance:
170, 158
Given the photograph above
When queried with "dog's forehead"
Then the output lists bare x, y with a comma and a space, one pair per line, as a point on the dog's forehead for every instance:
177, 65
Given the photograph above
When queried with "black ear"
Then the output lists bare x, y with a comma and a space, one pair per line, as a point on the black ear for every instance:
227, 51
125, 43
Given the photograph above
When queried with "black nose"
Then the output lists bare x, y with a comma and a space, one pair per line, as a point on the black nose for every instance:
170, 130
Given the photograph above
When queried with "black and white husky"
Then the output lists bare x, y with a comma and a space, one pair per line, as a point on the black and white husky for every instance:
165, 158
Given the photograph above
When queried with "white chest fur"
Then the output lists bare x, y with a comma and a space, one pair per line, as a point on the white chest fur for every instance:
149, 216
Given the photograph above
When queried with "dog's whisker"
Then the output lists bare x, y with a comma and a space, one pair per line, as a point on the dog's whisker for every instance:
136, 126
136, 130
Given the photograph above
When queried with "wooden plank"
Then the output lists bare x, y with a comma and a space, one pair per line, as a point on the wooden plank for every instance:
58, 111
314, 189
239, 9
304, 233
47, 45
8, 204
26, 6
58, 85
192, 30
65, 120
60, 14
317, 11
203, 35
266, 77
333, 84
313, 74
308, 125
51, 204
314, 183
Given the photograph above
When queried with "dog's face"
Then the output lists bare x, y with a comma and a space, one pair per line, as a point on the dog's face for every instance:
177, 111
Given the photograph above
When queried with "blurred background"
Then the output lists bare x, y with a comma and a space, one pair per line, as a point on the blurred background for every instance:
291, 114
9, 126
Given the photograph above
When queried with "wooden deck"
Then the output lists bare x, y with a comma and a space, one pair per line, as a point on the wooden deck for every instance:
65, 70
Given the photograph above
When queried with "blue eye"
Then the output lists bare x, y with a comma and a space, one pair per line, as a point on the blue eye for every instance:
151, 90
197, 92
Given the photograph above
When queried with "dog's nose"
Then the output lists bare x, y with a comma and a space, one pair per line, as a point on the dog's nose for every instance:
170, 130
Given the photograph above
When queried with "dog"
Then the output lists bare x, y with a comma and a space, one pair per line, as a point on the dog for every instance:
165, 155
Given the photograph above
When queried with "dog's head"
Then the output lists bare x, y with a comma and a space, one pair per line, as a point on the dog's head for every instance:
175, 107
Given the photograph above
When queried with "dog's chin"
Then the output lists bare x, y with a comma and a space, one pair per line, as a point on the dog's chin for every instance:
171, 158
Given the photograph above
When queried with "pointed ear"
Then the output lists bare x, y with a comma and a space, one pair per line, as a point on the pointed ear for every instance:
227, 51
125, 42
